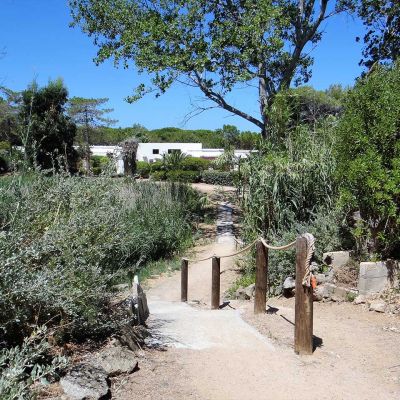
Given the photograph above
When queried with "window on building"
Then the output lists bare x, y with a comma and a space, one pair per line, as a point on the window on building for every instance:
173, 151
156, 151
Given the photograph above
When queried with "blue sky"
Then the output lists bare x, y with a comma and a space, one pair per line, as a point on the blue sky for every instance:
39, 43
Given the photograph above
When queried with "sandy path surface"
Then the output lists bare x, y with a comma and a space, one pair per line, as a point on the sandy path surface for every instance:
230, 354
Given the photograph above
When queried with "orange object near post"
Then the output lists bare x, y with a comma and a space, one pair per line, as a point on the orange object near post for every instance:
313, 281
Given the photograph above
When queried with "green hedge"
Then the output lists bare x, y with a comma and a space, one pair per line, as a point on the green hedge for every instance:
158, 176
195, 164
183, 176
99, 164
222, 178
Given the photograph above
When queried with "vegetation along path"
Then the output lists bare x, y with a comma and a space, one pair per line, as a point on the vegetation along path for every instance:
199, 353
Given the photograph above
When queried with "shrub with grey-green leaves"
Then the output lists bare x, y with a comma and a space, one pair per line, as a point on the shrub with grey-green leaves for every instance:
63, 240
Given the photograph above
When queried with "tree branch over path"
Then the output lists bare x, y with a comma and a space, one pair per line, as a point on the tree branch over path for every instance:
216, 45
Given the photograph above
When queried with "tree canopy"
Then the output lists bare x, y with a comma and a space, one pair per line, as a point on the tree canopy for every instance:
211, 45
46, 132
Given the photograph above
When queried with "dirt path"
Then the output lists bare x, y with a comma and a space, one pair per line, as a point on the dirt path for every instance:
229, 354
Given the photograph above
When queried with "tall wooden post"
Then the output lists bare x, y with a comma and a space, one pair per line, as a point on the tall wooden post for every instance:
184, 279
303, 332
260, 295
215, 283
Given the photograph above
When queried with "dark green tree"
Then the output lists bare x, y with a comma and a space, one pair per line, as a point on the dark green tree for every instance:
46, 132
213, 45
9, 108
382, 39
89, 116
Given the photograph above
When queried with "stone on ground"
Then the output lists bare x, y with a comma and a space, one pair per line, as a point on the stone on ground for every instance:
378, 306
250, 290
373, 277
360, 299
115, 360
241, 294
84, 381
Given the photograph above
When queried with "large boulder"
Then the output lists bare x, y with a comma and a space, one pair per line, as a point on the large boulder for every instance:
373, 278
378, 306
85, 382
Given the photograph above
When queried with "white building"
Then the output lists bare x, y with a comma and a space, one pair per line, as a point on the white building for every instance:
154, 151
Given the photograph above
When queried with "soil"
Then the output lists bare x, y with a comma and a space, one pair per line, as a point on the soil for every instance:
229, 354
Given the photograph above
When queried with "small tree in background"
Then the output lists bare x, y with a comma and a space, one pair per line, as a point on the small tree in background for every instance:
89, 116
46, 132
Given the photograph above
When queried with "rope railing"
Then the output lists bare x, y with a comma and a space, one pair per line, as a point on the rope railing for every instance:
310, 251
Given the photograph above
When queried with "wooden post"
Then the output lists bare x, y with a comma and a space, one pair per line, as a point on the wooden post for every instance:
303, 331
215, 283
260, 295
184, 280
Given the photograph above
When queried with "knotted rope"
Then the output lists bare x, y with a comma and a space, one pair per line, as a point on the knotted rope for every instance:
310, 251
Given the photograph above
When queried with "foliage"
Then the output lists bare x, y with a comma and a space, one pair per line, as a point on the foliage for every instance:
46, 132
221, 178
211, 45
194, 164
88, 114
63, 239
23, 365
183, 176
382, 39
173, 160
288, 182
368, 153
102, 164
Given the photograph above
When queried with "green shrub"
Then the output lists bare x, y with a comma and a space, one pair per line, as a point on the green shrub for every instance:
143, 169
3, 165
100, 164
64, 238
183, 176
158, 175
222, 178
368, 152
27, 364
195, 164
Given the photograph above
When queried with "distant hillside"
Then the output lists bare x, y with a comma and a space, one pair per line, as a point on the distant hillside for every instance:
219, 138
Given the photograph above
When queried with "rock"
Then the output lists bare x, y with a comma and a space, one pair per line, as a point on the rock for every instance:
378, 306
133, 336
250, 290
321, 278
121, 287
289, 286
360, 299
289, 283
319, 293
115, 360
241, 294
84, 381
373, 277
328, 290
139, 307
336, 258
337, 293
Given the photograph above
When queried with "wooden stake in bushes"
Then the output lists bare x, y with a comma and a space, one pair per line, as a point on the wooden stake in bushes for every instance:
303, 332
184, 279
260, 295
215, 283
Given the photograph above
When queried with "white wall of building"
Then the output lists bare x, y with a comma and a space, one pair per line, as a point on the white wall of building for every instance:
155, 151
146, 152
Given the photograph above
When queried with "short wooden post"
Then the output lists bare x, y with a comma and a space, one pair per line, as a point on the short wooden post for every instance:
215, 283
260, 295
184, 279
303, 331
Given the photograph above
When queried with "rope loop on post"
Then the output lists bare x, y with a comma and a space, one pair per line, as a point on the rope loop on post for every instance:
310, 252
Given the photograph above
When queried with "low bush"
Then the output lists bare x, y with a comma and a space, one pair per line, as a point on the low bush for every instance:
101, 164
158, 175
222, 178
183, 176
63, 239
194, 164
143, 169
